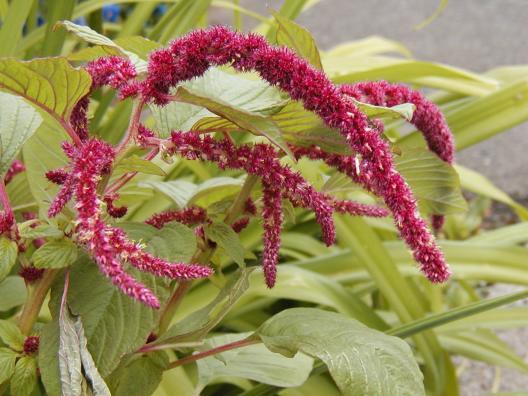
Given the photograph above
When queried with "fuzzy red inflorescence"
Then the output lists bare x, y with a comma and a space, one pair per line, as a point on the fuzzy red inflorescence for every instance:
31, 274
272, 222
191, 55
15, 168
188, 216
31, 345
108, 245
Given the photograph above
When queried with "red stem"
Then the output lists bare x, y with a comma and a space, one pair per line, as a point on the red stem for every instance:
214, 351
4, 198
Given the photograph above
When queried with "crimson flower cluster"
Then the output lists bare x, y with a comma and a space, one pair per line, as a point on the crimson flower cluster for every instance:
108, 245
371, 164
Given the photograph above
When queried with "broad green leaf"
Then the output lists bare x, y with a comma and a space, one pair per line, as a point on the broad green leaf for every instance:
361, 360
24, 378
7, 363
434, 183
479, 184
75, 360
175, 241
404, 110
18, 121
257, 124
39, 231
198, 324
184, 193
254, 96
8, 256
141, 376
91, 36
47, 358
19, 193
55, 254
50, 84
226, 238
41, 153
13, 292
114, 324
135, 163
254, 362
297, 38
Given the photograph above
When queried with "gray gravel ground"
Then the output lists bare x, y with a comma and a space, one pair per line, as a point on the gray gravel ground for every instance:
474, 34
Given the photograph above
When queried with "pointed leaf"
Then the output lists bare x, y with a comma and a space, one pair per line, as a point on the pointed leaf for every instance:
254, 362
361, 360
404, 110
11, 335
227, 239
297, 38
13, 292
55, 254
24, 378
18, 121
8, 358
434, 183
135, 163
8, 256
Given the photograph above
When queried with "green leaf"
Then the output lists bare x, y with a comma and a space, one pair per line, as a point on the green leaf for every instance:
361, 360
7, 363
404, 110
24, 379
226, 238
254, 362
479, 184
434, 183
114, 324
141, 376
8, 256
257, 124
50, 84
11, 335
74, 357
18, 121
91, 36
12, 26
55, 254
198, 324
455, 314
175, 241
13, 292
185, 193
41, 153
255, 96
40, 231
135, 163
297, 38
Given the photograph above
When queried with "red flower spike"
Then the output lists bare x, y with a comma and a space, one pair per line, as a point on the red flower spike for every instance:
114, 211
353, 208
57, 176
261, 160
191, 55
239, 225
15, 168
187, 216
272, 221
108, 245
250, 207
31, 345
31, 274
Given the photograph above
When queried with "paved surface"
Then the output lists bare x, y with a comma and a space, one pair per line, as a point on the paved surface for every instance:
473, 34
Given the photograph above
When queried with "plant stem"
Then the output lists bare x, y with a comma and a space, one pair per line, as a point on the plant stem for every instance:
6, 205
214, 351
203, 255
35, 300
132, 130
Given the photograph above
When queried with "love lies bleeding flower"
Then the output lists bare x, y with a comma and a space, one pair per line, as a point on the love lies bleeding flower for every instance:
109, 246
191, 55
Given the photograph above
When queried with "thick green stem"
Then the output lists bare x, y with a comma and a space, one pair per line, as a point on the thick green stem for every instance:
35, 300
204, 254
214, 351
